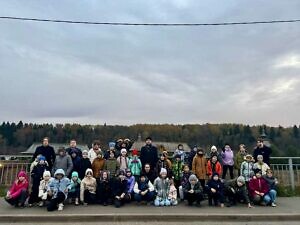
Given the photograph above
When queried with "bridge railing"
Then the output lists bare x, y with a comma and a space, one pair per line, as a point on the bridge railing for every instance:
286, 169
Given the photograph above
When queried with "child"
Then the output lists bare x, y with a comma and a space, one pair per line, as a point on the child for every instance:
214, 151
261, 165
92, 153
130, 183
104, 188
193, 191
111, 147
149, 173
35, 162
247, 169
177, 170
123, 159
180, 151
215, 190
75, 154
236, 191
143, 189
191, 156
270, 197
135, 164
98, 165
58, 190
162, 164
37, 176
258, 188
172, 197
88, 188
85, 164
199, 166
17, 194
43, 194
120, 190
213, 166
227, 159
162, 188
112, 165
184, 181
63, 161
239, 158
74, 188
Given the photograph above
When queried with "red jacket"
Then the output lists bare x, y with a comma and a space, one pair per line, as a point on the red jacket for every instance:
18, 186
218, 168
258, 184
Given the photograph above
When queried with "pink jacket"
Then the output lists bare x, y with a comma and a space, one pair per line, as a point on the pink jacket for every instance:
18, 186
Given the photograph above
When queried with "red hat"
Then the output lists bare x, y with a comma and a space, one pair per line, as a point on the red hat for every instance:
134, 152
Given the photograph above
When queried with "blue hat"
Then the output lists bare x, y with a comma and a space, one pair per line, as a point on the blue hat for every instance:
42, 158
111, 144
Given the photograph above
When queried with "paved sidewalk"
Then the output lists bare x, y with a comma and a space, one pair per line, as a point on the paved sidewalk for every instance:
288, 209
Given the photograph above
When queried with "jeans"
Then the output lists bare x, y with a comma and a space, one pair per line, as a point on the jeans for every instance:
147, 197
270, 197
60, 197
162, 202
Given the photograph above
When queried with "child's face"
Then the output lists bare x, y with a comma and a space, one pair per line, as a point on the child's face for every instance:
248, 159
74, 155
258, 175
186, 169
74, 178
42, 162
239, 184
193, 182
61, 153
104, 175
89, 174
46, 178
180, 147
260, 159
21, 178
143, 179
111, 155
123, 154
163, 175
269, 174
147, 168
162, 157
99, 156
122, 177
242, 149
85, 155
59, 176
128, 174
214, 159
171, 182
216, 178
177, 159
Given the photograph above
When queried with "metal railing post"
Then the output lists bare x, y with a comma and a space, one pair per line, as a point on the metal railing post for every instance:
291, 173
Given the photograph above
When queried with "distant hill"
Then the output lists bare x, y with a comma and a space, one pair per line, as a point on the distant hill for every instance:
17, 137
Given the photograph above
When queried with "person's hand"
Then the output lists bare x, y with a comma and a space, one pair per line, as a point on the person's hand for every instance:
191, 191
261, 194
233, 191
8, 196
66, 190
213, 190
118, 197
122, 195
50, 193
256, 192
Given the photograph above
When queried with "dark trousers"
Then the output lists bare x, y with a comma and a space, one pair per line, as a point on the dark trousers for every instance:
74, 194
103, 196
147, 197
216, 197
18, 200
225, 168
89, 197
34, 195
53, 205
202, 182
195, 197
120, 202
233, 198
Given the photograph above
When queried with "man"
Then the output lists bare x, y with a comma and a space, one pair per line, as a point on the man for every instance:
263, 150
73, 148
47, 151
149, 154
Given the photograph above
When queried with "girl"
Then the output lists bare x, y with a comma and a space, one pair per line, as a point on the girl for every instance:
112, 165
261, 165
162, 188
227, 159
270, 197
43, 194
162, 164
88, 188
172, 197
258, 188
98, 165
184, 181
199, 166
247, 169
135, 164
74, 188
177, 171
123, 159
213, 166
85, 164
104, 188
130, 182
120, 190
18, 192
239, 158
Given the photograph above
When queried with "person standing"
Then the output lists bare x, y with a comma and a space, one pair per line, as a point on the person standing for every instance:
47, 151
73, 148
262, 149
149, 154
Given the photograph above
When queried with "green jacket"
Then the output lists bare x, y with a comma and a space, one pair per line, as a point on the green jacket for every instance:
112, 165
238, 159
135, 166
177, 170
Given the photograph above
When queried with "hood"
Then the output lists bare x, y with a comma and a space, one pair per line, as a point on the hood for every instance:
59, 171
215, 174
74, 174
89, 170
193, 177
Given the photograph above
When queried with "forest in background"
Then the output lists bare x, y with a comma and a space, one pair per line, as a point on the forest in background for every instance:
17, 137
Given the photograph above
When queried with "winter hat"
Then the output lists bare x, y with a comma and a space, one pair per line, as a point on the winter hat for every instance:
134, 152
120, 140
74, 174
42, 158
256, 170
249, 157
163, 170
111, 144
89, 171
193, 177
260, 157
123, 150
22, 173
241, 179
127, 170
213, 148
46, 174
177, 156
85, 152
122, 173
215, 174
59, 171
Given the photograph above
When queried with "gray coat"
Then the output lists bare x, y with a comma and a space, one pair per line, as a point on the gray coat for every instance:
63, 162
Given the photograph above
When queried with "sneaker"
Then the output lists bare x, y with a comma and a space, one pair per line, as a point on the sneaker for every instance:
76, 202
273, 204
60, 207
41, 204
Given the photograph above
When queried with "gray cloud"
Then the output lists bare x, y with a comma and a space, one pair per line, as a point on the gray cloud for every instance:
127, 75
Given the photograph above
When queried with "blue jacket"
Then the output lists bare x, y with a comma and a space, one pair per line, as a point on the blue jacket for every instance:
56, 185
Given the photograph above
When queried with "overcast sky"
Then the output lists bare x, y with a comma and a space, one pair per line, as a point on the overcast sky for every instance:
91, 74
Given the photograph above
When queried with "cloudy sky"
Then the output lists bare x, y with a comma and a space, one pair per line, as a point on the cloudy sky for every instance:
91, 74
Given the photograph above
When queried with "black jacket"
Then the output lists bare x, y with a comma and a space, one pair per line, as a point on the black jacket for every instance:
48, 152
119, 187
149, 155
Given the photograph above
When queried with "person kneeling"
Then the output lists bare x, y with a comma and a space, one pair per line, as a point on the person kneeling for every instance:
162, 188
193, 191
120, 190
215, 190
88, 188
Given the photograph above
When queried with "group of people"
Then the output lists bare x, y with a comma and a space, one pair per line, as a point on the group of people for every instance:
120, 175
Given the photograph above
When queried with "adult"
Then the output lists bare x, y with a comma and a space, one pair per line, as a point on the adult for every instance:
262, 149
73, 148
93, 152
149, 154
191, 156
47, 151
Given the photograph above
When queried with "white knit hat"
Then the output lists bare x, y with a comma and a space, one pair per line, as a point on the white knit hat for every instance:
123, 150
46, 174
213, 148
163, 170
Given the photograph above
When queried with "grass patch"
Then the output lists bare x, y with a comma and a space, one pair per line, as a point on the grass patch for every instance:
3, 191
287, 191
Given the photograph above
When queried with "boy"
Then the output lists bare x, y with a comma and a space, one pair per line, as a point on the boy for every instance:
215, 190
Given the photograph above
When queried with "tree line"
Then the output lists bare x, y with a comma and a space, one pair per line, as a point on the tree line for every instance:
17, 137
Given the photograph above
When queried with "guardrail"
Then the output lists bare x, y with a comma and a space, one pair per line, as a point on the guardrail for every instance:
286, 169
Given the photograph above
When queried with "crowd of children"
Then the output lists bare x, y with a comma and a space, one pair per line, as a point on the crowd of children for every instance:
114, 177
